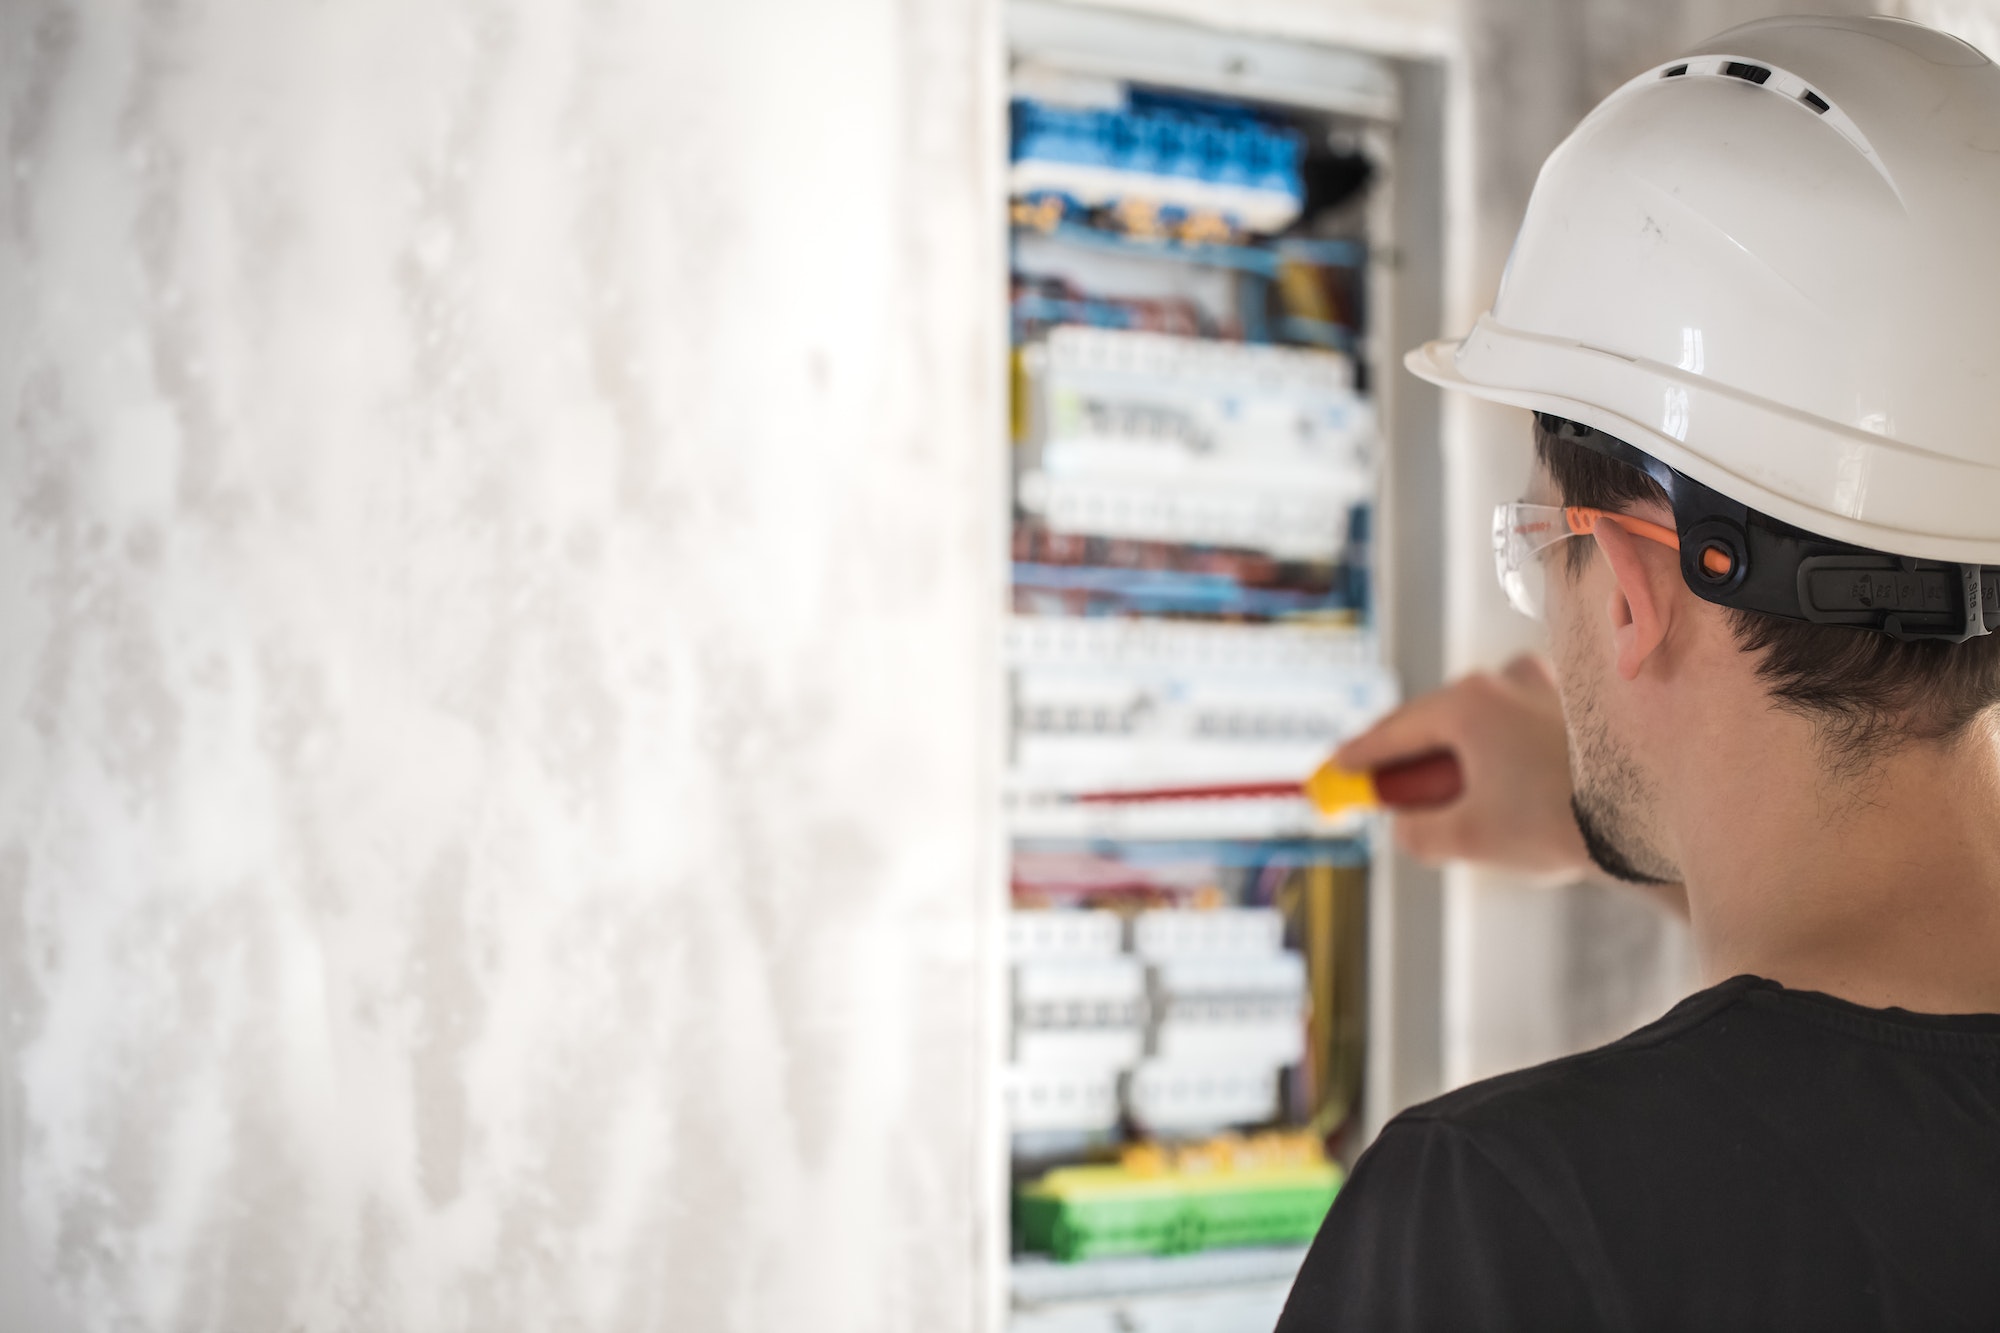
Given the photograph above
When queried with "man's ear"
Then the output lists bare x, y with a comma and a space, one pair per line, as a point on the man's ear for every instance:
1646, 577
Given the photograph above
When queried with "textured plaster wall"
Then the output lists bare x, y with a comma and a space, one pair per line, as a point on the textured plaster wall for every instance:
498, 592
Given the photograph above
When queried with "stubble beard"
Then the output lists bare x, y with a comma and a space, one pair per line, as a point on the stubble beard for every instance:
1610, 793
1605, 852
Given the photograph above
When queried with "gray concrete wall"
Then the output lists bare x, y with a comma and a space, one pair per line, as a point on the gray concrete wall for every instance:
500, 571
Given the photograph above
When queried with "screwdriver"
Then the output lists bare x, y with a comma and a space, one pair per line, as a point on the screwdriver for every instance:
1431, 778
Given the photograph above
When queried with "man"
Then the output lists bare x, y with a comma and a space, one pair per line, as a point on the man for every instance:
1755, 308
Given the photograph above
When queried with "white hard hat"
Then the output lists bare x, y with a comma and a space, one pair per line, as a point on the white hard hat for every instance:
1773, 265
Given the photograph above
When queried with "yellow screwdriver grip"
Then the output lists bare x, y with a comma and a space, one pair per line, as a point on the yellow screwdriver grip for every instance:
1333, 789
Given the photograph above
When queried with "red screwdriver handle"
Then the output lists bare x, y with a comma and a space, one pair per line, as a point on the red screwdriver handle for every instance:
1429, 779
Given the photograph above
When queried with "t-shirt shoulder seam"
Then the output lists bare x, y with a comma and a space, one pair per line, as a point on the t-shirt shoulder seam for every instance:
1937, 1041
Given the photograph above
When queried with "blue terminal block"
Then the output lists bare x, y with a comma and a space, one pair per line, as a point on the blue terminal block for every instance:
1198, 171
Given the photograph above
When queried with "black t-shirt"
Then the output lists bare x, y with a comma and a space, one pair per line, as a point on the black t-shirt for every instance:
1760, 1158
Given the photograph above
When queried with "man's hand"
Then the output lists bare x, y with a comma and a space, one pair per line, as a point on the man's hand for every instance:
1507, 730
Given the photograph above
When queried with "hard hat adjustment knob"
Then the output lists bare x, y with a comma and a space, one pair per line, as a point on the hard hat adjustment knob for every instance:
1715, 558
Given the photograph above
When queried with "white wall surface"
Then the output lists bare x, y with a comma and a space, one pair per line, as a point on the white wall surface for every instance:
500, 576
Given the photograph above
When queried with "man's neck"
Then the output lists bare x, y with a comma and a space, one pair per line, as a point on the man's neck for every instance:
1883, 889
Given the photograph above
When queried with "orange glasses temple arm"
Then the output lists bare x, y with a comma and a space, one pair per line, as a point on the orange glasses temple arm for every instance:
1583, 520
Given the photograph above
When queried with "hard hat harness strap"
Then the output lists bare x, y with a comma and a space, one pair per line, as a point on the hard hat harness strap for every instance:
1775, 569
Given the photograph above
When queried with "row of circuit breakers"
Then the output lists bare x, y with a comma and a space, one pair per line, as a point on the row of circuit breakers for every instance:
1103, 702
1153, 437
1178, 1021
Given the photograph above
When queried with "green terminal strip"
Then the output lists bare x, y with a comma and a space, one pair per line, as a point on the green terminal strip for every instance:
1091, 1212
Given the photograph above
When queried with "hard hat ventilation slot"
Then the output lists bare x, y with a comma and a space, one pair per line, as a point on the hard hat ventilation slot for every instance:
1695, 70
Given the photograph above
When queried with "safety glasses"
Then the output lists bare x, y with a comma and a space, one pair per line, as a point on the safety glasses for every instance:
1523, 533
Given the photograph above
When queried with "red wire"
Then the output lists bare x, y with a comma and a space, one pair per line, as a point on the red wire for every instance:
1225, 791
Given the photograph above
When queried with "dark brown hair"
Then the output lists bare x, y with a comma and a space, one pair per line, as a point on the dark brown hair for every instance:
1866, 691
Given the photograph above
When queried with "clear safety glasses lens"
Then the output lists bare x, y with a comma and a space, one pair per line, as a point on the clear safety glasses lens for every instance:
1522, 534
